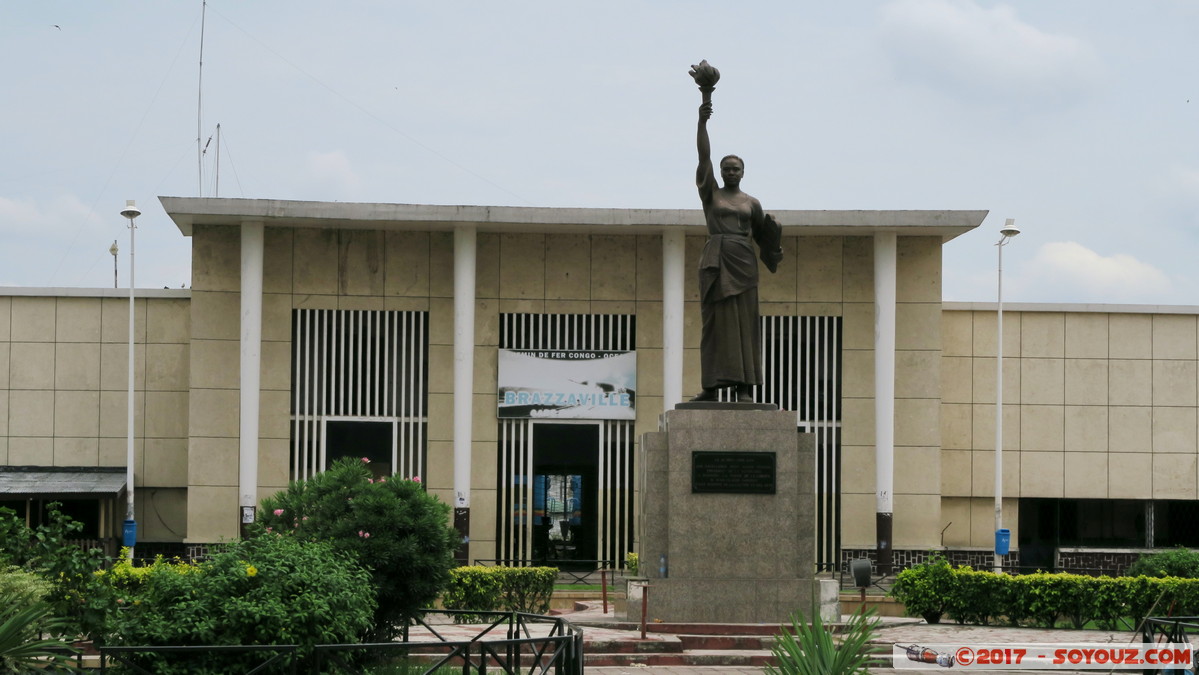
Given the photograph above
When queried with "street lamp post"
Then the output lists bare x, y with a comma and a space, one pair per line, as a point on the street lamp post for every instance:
1009, 230
129, 538
113, 250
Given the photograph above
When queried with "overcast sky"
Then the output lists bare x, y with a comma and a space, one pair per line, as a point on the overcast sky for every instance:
1078, 118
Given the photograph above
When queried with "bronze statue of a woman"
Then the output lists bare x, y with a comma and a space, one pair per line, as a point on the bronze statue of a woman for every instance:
730, 346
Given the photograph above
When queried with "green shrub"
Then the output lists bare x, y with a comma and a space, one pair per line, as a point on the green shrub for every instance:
21, 587
507, 589
265, 590
473, 587
1179, 562
48, 551
810, 648
632, 563
978, 597
1079, 599
23, 649
1044, 599
1111, 600
397, 530
925, 588
528, 589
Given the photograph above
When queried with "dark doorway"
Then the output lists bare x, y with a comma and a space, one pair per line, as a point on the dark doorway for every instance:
370, 440
565, 493
1039, 534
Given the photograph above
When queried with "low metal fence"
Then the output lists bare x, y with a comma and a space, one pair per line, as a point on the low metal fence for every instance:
143, 659
515, 643
1170, 630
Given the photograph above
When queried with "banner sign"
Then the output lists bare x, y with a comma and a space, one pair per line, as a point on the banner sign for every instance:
567, 384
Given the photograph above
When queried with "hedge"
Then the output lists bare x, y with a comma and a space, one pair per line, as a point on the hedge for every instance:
508, 589
1041, 599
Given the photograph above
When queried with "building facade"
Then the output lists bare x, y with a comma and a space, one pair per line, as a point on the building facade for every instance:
314, 331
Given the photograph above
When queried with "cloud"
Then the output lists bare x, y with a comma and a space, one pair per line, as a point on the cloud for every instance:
1184, 181
1067, 269
61, 217
333, 173
962, 47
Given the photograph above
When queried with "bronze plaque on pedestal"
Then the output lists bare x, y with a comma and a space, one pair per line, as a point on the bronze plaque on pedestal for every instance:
741, 473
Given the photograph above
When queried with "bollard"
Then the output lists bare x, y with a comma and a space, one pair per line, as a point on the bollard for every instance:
644, 607
604, 587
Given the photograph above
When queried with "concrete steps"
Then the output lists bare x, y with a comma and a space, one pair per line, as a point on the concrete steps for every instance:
679, 644
705, 658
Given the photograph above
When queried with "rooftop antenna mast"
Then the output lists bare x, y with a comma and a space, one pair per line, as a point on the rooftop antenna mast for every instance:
216, 190
200, 104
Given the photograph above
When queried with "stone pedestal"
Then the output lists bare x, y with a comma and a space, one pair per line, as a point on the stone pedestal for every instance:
716, 546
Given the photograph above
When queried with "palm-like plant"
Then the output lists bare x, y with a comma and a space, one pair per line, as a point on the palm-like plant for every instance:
22, 650
811, 648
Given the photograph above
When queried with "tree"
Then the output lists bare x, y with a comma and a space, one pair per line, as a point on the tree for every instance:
48, 550
397, 530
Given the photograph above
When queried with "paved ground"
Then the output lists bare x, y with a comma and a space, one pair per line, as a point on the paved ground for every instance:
904, 631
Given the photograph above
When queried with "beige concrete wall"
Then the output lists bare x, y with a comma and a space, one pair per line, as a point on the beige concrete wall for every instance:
396, 271
1097, 405
64, 363
916, 478
551, 273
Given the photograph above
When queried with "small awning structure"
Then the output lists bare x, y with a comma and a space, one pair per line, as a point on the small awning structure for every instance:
42, 482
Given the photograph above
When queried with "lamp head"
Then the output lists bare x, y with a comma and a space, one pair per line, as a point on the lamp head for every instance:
1009, 228
131, 211
113, 249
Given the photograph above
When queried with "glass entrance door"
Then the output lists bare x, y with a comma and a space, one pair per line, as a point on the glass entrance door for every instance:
565, 458
564, 492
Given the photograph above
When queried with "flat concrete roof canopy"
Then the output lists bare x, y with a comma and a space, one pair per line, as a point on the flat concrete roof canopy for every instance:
187, 212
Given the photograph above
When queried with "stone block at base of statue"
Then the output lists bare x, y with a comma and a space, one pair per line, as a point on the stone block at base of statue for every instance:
727, 517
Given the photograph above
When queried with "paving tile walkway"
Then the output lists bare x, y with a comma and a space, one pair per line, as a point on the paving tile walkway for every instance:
894, 630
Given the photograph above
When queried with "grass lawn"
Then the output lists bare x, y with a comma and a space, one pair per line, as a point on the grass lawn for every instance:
580, 587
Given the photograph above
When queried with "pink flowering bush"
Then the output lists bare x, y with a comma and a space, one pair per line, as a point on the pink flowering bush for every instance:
397, 530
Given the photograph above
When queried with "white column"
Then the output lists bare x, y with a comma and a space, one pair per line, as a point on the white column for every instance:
464, 359
251, 364
672, 317
884, 389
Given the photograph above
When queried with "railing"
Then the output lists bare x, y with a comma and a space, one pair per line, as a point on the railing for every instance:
519, 651
1171, 630
556, 647
106, 544
279, 658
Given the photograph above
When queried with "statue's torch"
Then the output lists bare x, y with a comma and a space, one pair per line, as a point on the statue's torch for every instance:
706, 77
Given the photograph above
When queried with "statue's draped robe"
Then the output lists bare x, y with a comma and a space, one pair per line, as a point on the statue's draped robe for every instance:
731, 346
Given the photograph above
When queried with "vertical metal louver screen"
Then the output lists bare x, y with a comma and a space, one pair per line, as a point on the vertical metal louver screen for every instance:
514, 524
616, 490
359, 366
801, 369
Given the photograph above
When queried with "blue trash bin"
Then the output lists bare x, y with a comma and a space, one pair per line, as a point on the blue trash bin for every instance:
1003, 541
130, 533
